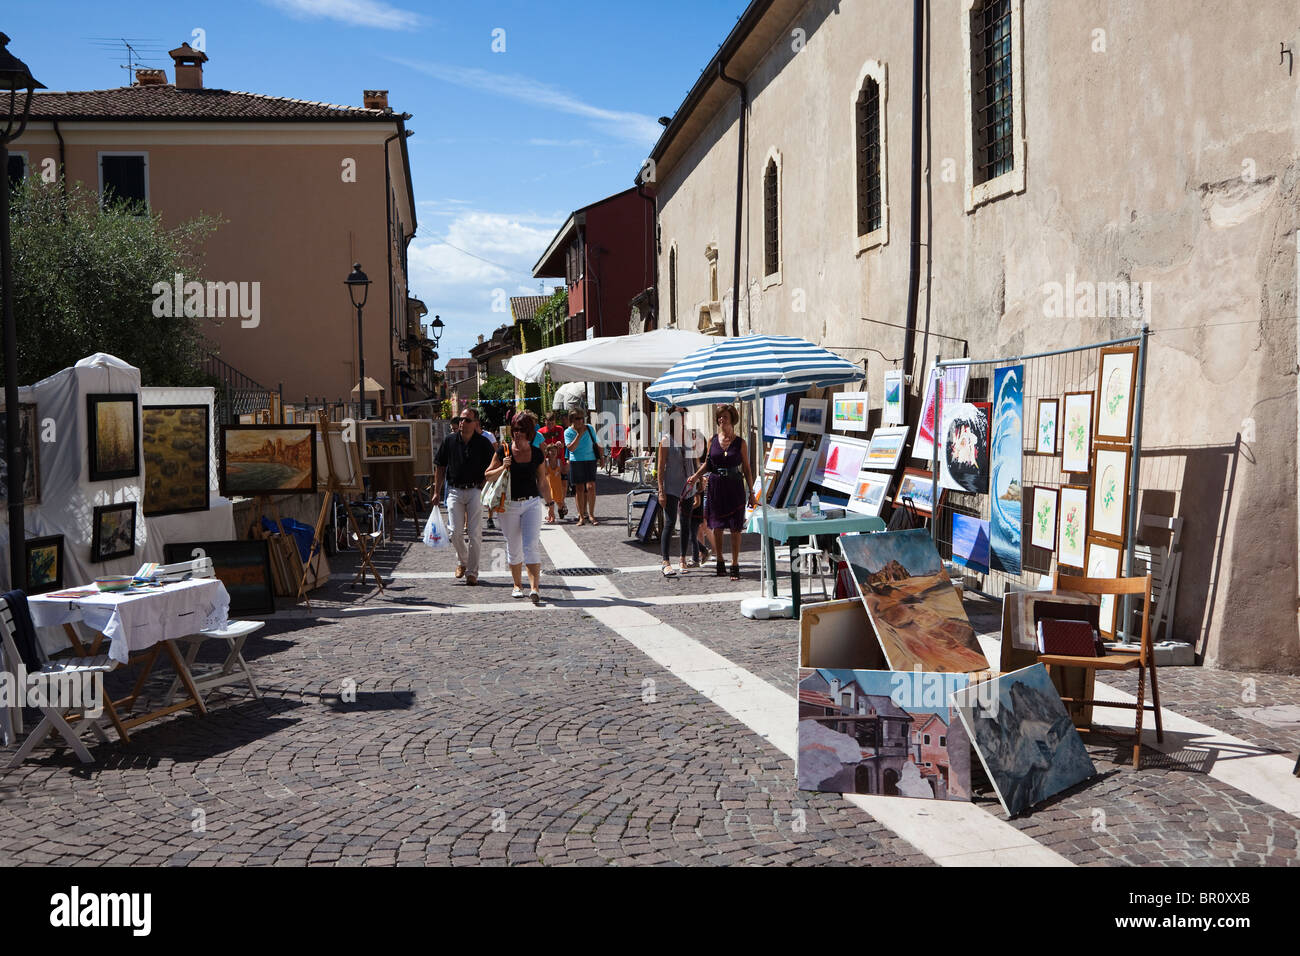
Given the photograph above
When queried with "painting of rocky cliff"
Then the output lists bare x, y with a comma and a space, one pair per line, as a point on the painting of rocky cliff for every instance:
176, 459
1024, 737
916, 612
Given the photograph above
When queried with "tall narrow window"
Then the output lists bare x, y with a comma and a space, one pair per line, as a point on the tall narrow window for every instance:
870, 196
672, 286
992, 101
771, 219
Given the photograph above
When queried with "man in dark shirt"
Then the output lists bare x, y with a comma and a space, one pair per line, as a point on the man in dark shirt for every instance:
462, 458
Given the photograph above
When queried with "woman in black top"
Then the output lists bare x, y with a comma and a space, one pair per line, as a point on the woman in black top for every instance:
522, 521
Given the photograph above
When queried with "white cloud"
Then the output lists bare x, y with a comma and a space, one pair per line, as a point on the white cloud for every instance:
636, 128
359, 13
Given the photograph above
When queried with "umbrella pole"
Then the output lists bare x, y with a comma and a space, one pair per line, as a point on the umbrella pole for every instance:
765, 605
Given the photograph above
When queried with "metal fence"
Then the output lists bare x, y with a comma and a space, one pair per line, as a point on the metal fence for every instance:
1047, 375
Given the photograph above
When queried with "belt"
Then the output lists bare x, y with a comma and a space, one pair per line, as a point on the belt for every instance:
529, 498
463, 487
729, 472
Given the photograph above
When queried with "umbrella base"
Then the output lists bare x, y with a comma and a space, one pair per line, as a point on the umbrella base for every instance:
764, 608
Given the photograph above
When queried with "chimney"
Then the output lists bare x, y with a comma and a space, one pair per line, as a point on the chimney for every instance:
374, 99
189, 66
146, 77
480, 338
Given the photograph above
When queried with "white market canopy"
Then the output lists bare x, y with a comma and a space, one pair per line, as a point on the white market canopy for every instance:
643, 357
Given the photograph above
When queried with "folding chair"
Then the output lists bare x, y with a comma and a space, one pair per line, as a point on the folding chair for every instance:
809, 559
56, 711
1143, 660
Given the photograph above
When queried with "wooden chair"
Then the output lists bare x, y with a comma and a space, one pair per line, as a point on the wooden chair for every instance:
1143, 660
54, 678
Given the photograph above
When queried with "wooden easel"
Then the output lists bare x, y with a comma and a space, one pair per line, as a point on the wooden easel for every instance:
336, 486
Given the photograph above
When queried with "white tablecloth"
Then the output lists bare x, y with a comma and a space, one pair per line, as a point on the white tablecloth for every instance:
136, 622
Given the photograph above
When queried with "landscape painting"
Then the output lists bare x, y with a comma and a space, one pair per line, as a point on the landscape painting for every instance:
964, 457
27, 429
869, 494
849, 411
44, 564
812, 415
884, 733
892, 413
1024, 738
970, 542
886, 447
113, 532
114, 438
917, 488
1007, 443
176, 475
387, 441
918, 617
268, 459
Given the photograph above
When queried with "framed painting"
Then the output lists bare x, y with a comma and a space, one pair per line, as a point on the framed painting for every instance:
788, 464
1076, 437
1045, 434
773, 417
776, 455
1103, 562
800, 479
113, 425
964, 457
812, 416
112, 533
176, 475
1042, 533
886, 733
1109, 515
886, 447
1072, 524
838, 462
892, 411
869, 492
244, 567
970, 542
337, 457
267, 459
849, 411
387, 441
917, 486
44, 564
28, 429
1116, 379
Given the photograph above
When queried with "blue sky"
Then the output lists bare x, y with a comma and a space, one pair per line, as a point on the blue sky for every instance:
506, 143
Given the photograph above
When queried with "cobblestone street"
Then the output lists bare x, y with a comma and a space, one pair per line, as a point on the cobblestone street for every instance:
486, 731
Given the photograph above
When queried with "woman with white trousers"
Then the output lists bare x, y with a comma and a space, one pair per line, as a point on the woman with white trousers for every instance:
522, 521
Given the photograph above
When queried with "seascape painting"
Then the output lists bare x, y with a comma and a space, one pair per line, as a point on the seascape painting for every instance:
970, 542
175, 439
1005, 447
1024, 737
964, 457
882, 732
918, 617
268, 459
918, 488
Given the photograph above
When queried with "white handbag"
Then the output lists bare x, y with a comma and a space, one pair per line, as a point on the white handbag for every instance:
494, 495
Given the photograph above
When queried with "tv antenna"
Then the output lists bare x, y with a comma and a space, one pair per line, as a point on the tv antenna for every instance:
139, 51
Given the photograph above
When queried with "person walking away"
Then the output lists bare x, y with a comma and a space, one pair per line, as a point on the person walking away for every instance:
553, 434
522, 521
580, 441
729, 487
676, 493
462, 460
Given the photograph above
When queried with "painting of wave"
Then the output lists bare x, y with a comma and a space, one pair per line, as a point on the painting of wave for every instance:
1004, 468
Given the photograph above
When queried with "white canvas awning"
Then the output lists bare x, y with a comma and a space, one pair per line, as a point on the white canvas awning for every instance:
620, 358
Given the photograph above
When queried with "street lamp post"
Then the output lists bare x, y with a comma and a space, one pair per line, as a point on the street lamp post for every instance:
14, 77
358, 283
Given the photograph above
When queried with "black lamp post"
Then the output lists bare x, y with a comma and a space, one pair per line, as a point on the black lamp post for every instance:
358, 284
14, 77
436, 328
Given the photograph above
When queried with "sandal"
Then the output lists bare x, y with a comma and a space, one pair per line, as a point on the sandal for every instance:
722, 569
668, 571
735, 572
681, 569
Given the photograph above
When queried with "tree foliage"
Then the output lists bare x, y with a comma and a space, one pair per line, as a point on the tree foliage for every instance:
83, 283
497, 387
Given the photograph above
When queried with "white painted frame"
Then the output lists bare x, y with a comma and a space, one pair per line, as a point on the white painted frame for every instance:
99, 171
1014, 181
877, 237
773, 156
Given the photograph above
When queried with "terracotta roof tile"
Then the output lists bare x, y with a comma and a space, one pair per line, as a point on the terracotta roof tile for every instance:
524, 307
168, 103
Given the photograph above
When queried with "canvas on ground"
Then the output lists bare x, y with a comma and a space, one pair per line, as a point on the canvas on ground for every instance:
1024, 737
917, 614
884, 733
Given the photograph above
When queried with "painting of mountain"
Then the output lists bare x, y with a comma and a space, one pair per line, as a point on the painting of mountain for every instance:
918, 617
1024, 737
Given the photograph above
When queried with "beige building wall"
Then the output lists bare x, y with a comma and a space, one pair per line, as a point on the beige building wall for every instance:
1162, 149
289, 222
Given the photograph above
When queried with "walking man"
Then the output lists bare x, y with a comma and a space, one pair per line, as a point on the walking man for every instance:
462, 459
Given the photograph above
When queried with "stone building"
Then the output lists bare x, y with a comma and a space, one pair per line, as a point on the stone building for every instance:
1082, 168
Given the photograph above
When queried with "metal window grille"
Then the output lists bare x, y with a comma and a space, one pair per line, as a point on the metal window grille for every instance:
991, 97
868, 134
771, 242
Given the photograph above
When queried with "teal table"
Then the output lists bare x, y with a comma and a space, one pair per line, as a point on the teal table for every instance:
793, 532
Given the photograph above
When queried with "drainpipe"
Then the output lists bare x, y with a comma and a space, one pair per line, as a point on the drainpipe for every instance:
740, 195
914, 253
63, 158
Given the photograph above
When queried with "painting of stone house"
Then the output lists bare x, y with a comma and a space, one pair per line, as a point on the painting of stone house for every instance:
858, 735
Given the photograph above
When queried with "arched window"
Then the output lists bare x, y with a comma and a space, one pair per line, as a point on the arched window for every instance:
870, 156
995, 138
672, 285
771, 220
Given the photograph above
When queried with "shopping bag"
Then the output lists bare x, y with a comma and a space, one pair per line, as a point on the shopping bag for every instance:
435, 530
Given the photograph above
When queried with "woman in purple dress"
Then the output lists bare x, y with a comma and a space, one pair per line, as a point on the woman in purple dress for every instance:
729, 487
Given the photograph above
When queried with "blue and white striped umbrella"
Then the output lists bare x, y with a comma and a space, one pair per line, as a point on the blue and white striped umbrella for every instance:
751, 367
